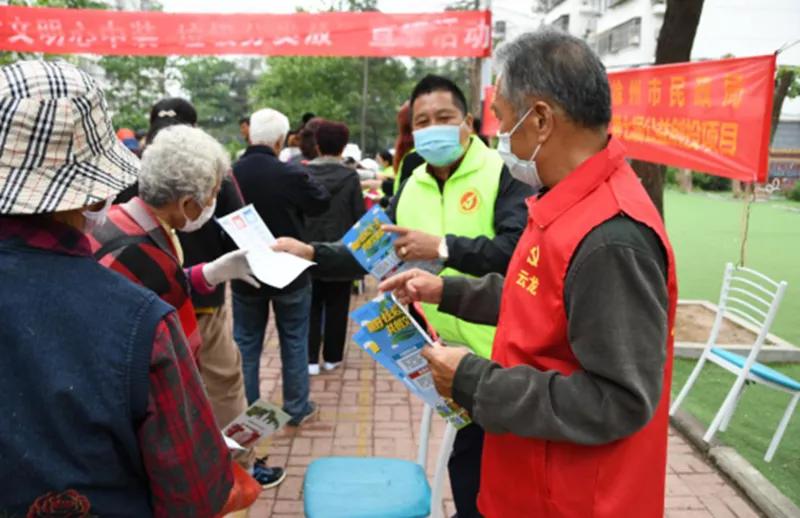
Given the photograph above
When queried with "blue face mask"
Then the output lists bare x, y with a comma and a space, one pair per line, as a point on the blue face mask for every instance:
439, 145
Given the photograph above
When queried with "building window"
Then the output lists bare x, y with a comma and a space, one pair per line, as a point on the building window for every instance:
628, 34
548, 5
561, 23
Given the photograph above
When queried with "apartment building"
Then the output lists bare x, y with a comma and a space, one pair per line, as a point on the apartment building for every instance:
622, 32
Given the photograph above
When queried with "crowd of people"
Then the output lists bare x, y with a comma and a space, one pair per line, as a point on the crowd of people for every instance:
553, 309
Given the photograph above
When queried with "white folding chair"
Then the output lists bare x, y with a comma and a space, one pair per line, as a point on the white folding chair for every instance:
755, 298
377, 487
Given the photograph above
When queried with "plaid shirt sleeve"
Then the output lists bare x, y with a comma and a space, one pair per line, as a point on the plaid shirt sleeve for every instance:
187, 462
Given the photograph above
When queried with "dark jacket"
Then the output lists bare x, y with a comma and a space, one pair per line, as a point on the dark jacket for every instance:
473, 256
283, 195
210, 242
347, 202
411, 161
76, 344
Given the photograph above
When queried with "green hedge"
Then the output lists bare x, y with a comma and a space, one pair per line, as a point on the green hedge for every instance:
708, 182
794, 194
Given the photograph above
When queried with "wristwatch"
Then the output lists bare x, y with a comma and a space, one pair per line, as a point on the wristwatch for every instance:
443, 252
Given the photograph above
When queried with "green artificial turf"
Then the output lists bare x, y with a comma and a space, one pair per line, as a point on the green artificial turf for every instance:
706, 230
756, 418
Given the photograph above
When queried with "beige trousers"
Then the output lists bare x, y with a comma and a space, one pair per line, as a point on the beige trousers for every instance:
221, 365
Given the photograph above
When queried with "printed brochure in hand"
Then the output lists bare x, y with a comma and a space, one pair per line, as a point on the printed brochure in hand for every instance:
391, 336
259, 421
374, 249
250, 233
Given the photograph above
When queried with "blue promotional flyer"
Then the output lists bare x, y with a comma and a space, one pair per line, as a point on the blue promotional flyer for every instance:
373, 247
392, 337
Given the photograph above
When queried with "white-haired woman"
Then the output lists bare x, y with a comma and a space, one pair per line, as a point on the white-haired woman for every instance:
182, 170
181, 174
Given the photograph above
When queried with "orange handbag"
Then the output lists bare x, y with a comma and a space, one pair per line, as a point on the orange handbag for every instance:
244, 492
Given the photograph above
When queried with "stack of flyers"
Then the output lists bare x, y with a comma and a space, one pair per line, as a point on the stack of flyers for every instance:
258, 422
373, 248
392, 337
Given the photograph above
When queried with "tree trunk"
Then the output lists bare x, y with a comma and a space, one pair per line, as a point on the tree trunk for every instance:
475, 88
674, 46
783, 82
652, 177
678, 31
685, 180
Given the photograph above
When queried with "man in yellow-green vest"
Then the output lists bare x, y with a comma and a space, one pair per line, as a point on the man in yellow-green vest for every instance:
461, 206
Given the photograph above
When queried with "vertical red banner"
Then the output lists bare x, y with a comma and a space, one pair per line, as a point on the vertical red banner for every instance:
711, 116
489, 123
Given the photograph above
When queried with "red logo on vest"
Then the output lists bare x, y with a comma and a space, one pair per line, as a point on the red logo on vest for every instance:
68, 503
470, 201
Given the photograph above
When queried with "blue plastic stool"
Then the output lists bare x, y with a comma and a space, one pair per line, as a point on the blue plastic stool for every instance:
366, 487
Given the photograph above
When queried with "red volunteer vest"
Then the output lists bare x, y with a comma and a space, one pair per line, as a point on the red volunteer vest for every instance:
529, 477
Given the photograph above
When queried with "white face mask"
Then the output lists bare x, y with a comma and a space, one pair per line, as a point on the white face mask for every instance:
96, 219
523, 170
202, 219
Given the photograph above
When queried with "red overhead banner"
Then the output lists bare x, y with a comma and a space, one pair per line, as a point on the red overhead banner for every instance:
710, 116
68, 31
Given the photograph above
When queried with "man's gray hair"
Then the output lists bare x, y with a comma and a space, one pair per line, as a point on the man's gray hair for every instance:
181, 161
268, 126
558, 67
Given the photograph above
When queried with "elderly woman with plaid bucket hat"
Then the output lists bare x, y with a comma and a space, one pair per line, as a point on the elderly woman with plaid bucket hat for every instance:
103, 409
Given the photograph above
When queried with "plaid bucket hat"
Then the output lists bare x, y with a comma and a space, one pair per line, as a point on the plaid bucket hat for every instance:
58, 150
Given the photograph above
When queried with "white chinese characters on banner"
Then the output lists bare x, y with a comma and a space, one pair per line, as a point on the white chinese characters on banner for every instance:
252, 42
143, 34
221, 35
318, 39
253, 36
479, 37
414, 35
80, 37
446, 33
191, 36
50, 32
446, 41
20, 30
383, 37
286, 40
113, 34
57, 30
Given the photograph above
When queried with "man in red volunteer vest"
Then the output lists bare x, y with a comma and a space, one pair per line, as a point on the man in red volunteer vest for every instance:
574, 400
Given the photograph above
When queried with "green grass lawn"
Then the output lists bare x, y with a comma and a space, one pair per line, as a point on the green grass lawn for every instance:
753, 424
706, 233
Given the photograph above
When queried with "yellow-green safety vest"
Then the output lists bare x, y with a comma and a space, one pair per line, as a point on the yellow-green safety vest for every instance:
465, 207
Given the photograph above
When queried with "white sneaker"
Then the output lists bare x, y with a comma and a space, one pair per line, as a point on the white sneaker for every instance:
330, 366
313, 369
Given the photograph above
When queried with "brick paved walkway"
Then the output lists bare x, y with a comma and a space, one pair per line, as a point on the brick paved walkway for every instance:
365, 412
